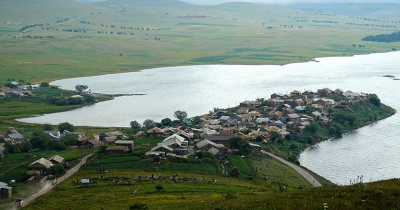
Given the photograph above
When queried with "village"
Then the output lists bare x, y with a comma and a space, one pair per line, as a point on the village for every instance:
257, 122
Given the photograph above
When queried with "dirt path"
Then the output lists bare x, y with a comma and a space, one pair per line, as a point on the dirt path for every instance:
48, 186
301, 171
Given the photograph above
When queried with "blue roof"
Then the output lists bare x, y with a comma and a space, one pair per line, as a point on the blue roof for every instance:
188, 122
225, 118
15, 136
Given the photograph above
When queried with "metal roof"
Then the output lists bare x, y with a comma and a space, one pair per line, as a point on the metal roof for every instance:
57, 158
44, 162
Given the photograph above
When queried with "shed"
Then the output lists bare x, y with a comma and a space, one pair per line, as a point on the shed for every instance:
128, 143
57, 159
85, 182
5, 191
113, 150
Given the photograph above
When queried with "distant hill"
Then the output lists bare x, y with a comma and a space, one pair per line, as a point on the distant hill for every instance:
364, 10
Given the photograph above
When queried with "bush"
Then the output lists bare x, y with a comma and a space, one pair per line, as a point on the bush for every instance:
159, 187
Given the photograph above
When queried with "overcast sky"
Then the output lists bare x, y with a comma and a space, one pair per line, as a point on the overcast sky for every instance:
213, 2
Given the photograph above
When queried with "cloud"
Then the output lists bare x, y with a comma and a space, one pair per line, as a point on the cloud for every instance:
283, 2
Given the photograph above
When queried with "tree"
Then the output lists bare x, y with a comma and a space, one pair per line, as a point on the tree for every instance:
135, 125
375, 100
70, 140
48, 127
40, 141
275, 135
166, 122
57, 168
65, 126
59, 146
149, 124
259, 138
44, 84
312, 128
25, 146
180, 115
242, 145
88, 98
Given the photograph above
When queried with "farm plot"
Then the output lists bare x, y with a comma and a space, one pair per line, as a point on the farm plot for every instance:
203, 167
240, 163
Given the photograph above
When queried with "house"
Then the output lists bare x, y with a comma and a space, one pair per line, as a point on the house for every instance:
247, 104
243, 110
298, 102
316, 114
187, 136
160, 149
317, 107
5, 191
91, 143
295, 93
155, 132
276, 115
224, 118
56, 159
40, 166
115, 150
288, 111
219, 138
325, 102
15, 137
272, 102
177, 143
219, 113
53, 134
128, 143
278, 124
350, 96
112, 136
299, 109
293, 117
205, 145
325, 92
262, 120
278, 95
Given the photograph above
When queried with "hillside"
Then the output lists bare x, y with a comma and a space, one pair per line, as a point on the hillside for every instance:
65, 38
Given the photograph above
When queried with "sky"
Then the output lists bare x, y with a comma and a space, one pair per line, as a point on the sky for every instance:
214, 2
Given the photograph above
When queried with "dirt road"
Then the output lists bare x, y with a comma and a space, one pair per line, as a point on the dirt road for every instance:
301, 171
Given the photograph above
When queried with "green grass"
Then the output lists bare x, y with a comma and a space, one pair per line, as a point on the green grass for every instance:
226, 193
240, 163
199, 167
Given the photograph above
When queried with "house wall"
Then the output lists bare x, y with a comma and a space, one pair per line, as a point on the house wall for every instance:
5, 193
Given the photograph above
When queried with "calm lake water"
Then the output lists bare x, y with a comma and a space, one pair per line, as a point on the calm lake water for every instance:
370, 151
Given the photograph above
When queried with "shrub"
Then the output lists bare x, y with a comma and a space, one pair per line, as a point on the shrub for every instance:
159, 187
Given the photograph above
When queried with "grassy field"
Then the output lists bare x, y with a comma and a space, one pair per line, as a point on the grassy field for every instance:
168, 33
226, 193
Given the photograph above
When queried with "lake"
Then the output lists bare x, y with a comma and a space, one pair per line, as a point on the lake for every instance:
370, 151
